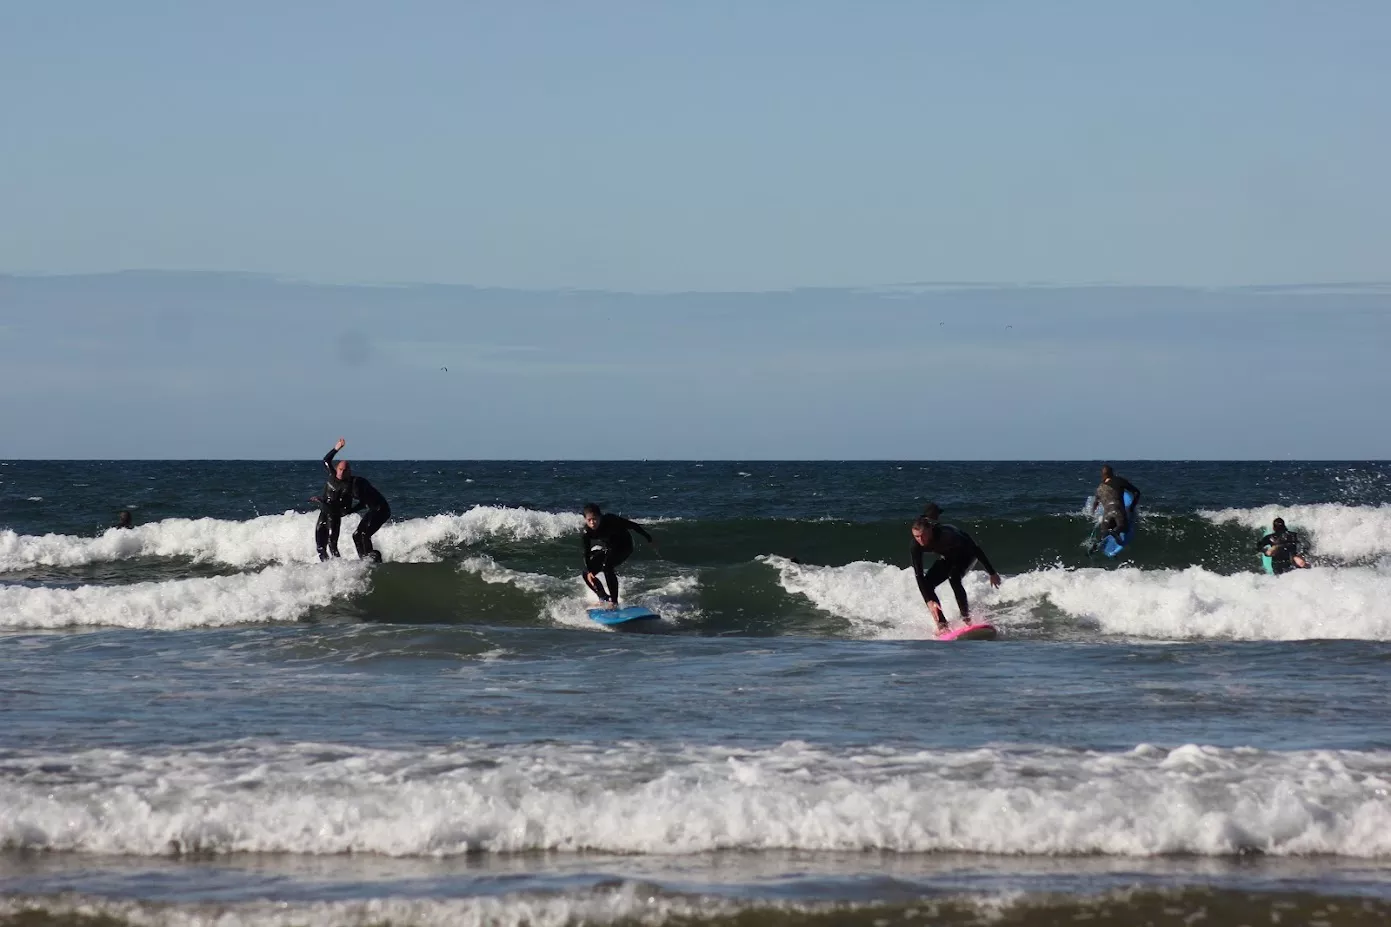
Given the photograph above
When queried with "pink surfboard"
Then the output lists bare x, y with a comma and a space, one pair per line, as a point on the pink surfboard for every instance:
970, 632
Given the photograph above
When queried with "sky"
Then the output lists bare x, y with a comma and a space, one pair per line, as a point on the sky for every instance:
664, 229
719, 145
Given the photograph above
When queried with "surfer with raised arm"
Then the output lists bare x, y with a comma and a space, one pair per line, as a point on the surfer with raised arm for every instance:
1280, 550
333, 502
1110, 495
956, 552
337, 500
606, 543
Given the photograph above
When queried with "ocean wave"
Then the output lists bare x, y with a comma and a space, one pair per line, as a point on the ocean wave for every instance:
285, 538
564, 601
880, 600
278, 593
1352, 603
1351, 533
310, 798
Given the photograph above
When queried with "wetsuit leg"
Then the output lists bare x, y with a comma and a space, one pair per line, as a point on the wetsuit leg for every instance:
595, 565
326, 533
372, 520
612, 561
959, 566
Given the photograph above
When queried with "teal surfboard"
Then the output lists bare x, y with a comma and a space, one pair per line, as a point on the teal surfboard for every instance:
615, 617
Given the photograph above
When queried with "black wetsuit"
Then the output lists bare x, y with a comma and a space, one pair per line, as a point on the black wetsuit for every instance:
605, 547
334, 503
377, 512
1110, 495
955, 551
1286, 544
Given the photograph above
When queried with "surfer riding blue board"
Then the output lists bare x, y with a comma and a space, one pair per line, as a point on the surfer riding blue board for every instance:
606, 542
1118, 499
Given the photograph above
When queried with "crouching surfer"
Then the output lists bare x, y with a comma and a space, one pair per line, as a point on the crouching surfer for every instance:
606, 543
1280, 550
956, 552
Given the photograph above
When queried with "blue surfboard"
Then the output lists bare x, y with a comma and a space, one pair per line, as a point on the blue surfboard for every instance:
620, 616
1110, 546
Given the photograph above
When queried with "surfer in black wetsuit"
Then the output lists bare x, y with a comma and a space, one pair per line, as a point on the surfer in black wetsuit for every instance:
340, 490
333, 503
377, 511
124, 520
606, 543
956, 552
1282, 547
1110, 495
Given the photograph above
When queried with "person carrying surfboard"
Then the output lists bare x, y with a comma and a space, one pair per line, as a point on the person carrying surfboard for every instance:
956, 552
1280, 550
606, 543
1110, 495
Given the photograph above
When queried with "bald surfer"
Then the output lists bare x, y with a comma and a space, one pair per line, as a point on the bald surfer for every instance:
956, 552
345, 493
334, 502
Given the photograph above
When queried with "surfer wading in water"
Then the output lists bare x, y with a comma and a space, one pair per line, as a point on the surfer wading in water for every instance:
606, 543
956, 552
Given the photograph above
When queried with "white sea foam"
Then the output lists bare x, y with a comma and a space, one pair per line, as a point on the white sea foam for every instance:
1346, 532
1351, 602
877, 599
286, 538
640, 798
627, 904
277, 593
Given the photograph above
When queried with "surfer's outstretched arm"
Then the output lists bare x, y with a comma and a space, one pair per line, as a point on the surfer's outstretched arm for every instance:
989, 567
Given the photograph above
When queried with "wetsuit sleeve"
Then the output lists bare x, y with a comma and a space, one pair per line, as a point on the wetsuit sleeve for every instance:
328, 460
1264, 542
985, 562
634, 526
1123, 484
584, 545
915, 555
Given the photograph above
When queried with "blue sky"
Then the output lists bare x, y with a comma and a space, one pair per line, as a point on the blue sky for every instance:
655, 229
712, 146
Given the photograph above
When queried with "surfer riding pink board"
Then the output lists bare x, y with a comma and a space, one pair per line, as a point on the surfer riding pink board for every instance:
956, 553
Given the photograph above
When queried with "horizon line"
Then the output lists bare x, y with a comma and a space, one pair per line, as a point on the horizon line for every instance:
886, 287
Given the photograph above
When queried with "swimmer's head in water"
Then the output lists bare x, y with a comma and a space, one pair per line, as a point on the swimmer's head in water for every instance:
592, 515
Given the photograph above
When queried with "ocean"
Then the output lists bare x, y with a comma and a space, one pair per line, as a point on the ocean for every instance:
200, 724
